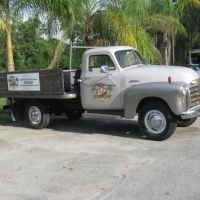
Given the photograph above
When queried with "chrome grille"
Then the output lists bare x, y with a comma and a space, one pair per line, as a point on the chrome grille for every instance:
195, 93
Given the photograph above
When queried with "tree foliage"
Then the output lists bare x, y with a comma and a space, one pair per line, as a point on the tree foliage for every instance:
31, 51
160, 29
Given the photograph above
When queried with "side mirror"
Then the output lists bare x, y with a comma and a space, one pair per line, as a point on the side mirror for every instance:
104, 69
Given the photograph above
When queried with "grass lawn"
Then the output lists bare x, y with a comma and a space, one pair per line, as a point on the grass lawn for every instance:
4, 118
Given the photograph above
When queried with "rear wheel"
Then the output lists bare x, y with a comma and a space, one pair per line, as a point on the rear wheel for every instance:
185, 122
156, 121
37, 115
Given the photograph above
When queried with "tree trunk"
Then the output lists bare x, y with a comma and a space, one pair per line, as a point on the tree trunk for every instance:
10, 59
169, 52
57, 53
166, 56
173, 50
165, 41
167, 46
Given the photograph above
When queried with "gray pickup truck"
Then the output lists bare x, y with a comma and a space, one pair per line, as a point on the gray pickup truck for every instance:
111, 81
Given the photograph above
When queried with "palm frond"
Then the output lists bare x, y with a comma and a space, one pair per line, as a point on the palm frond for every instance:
147, 47
121, 28
166, 24
185, 5
56, 11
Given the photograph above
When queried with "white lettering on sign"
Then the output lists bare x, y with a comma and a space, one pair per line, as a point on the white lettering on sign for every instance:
23, 82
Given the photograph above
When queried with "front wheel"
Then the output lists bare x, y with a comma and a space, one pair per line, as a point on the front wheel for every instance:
156, 121
37, 115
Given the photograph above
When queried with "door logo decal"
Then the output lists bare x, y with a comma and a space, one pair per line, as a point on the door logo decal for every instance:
102, 91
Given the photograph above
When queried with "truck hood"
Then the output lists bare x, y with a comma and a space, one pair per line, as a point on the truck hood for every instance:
159, 73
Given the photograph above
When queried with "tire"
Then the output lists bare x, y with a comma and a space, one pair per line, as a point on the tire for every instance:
185, 122
156, 121
74, 114
37, 115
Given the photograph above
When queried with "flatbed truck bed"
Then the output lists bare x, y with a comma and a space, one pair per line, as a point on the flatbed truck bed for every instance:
40, 84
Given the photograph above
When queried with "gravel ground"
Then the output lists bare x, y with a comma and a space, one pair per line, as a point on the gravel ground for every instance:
97, 159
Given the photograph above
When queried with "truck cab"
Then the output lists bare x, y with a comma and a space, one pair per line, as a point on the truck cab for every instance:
103, 78
109, 73
117, 79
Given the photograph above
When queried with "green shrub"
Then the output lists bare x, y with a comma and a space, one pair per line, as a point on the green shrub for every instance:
4, 118
2, 103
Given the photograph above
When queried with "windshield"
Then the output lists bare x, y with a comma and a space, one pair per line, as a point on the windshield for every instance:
129, 57
195, 58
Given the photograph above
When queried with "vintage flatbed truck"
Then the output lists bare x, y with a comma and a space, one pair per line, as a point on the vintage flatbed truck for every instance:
111, 81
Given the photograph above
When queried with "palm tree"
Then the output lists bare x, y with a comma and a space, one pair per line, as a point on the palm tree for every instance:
175, 12
135, 14
111, 23
126, 22
189, 14
57, 12
164, 19
59, 17
132, 22
5, 24
168, 27
84, 11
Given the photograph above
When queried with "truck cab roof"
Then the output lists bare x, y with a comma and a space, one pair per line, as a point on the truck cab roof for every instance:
109, 49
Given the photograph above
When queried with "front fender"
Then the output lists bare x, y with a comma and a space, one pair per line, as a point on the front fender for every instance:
173, 94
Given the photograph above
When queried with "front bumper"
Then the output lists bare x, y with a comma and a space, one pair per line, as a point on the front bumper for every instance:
191, 113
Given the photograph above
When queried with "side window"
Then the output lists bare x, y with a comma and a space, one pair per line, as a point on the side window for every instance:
97, 61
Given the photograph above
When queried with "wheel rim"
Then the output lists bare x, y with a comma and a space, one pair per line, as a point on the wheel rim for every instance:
35, 115
155, 122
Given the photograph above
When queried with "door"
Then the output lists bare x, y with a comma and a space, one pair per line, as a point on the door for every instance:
100, 87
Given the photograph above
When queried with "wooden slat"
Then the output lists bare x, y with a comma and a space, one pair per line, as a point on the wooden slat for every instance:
51, 83
3, 83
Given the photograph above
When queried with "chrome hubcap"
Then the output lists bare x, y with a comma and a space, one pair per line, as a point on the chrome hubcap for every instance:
35, 115
155, 122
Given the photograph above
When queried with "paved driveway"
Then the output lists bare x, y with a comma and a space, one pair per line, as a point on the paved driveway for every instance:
94, 159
